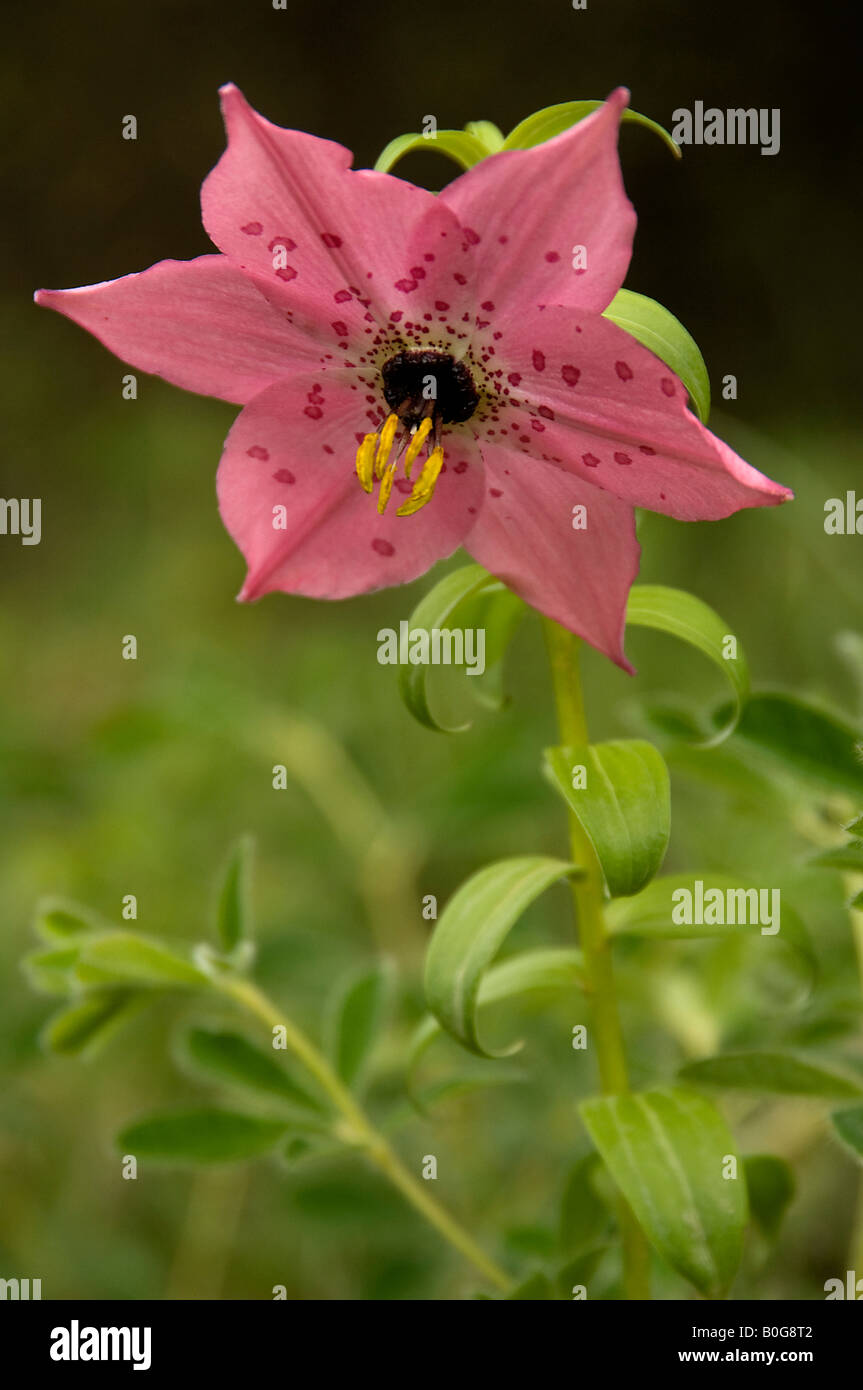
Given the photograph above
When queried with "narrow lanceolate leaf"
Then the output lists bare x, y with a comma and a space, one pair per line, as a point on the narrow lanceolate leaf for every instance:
446, 606
668, 1151
50, 972
803, 741
553, 120
201, 1136
849, 858
770, 1183
465, 147
59, 920
620, 794
234, 905
685, 616
470, 932
848, 1125
87, 1025
656, 328
124, 958
779, 1073
232, 1059
549, 968
673, 908
355, 1018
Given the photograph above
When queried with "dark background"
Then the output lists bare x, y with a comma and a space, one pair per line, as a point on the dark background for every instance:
120, 777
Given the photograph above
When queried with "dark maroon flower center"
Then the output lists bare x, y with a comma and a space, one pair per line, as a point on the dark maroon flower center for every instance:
430, 383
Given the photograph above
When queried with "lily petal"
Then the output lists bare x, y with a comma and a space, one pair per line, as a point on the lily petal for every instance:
568, 549
200, 324
585, 396
289, 496
531, 210
358, 245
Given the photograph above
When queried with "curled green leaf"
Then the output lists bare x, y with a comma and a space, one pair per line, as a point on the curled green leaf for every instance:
656, 328
683, 615
548, 968
553, 120
464, 146
467, 597
469, 933
620, 794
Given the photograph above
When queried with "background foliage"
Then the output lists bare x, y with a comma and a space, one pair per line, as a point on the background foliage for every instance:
134, 777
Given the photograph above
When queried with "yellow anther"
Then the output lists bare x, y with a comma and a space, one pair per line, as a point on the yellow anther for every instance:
388, 434
420, 436
424, 486
366, 461
386, 488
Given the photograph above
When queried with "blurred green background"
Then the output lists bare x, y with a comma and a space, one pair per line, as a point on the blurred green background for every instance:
124, 777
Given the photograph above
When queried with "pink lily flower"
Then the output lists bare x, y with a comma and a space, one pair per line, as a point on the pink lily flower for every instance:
420, 371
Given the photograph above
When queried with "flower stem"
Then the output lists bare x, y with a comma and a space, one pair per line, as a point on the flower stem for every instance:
358, 1129
588, 895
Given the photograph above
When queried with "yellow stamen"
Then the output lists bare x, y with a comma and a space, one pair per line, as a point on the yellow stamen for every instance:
388, 434
424, 486
386, 488
366, 462
419, 438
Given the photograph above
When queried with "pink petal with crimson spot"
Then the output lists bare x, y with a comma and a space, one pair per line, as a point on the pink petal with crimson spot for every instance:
345, 223
651, 450
567, 192
581, 578
199, 324
335, 544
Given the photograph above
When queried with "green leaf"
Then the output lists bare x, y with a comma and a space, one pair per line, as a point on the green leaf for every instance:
50, 972
856, 827
124, 958
656, 328
777, 1073
355, 1017
548, 968
487, 133
849, 858
535, 1288
685, 616
624, 808
446, 605
58, 919
848, 1125
201, 1136
234, 906
497, 612
86, 1026
553, 120
857, 902
232, 1059
584, 1217
650, 915
469, 933
770, 1184
803, 740
666, 1150
461, 145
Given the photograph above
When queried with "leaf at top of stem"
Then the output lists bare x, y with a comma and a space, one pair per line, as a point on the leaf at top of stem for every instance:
234, 901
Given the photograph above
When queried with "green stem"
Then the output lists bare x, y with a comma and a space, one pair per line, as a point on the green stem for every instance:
588, 897
359, 1130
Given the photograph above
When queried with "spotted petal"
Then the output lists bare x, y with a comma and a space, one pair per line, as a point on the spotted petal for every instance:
289, 496
588, 398
529, 211
327, 243
567, 548
200, 324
